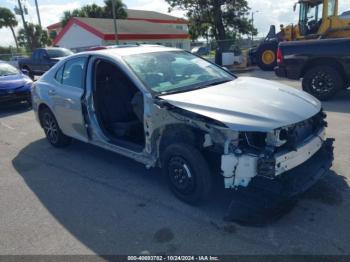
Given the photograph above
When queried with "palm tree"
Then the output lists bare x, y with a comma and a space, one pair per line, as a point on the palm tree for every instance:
95, 11
38, 37
8, 19
119, 9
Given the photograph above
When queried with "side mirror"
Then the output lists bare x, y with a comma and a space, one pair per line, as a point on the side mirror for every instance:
25, 72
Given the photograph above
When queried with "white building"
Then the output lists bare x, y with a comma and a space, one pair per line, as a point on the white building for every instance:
140, 27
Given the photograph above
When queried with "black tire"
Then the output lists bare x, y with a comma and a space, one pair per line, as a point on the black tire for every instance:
52, 131
271, 48
323, 82
187, 173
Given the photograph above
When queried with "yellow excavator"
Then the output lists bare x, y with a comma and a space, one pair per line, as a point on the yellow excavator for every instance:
318, 19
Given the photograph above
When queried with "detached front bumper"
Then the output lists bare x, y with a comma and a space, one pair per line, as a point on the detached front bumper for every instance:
263, 195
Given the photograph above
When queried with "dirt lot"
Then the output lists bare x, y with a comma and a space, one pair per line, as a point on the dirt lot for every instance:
84, 200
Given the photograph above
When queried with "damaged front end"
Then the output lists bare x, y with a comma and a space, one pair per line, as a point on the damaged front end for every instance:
271, 154
267, 169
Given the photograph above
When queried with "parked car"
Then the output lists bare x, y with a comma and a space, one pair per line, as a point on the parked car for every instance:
14, 85
42, 60
200, 50
14, 60
167, 108
323, 65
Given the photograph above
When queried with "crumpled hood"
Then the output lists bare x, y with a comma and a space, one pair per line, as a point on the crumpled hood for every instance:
13, 81
249, 104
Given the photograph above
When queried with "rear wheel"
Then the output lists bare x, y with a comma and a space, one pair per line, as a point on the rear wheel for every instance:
267, 56
187, 172
323, 82
52, 131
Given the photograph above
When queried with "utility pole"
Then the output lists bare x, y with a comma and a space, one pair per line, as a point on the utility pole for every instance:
24, 23
37, 12
115, 23
253, 12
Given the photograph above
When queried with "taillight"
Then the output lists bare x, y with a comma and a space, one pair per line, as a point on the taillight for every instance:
279, 56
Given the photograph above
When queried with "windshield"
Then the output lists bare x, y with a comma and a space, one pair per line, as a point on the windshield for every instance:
7, 70
175, 71
62, 52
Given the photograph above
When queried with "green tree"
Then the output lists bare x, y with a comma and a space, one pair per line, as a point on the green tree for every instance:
221, 17
37, 37
67, 15
8, 19
95, 11
120, 7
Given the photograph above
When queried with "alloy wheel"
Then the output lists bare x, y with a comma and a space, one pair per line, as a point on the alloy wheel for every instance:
322, 83
51, 128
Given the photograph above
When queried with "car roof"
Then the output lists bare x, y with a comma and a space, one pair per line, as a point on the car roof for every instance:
132, 50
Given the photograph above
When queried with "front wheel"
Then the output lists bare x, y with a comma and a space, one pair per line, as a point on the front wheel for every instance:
52, 131
187, 173
323, 82
266, 56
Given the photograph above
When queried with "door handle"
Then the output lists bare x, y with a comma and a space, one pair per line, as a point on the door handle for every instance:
52, 92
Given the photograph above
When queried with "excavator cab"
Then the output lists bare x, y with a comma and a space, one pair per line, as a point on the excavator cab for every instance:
313, 14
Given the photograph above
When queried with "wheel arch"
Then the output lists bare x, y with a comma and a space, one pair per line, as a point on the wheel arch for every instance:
180, 133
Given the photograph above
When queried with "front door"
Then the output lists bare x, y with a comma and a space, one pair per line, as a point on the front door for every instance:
67, 98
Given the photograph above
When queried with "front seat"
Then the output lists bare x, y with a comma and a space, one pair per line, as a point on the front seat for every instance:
117, 109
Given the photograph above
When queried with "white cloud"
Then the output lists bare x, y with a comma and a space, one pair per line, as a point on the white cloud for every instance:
6, 37
50, 13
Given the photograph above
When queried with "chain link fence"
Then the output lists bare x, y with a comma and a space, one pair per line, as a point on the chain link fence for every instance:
13, 57
232, 53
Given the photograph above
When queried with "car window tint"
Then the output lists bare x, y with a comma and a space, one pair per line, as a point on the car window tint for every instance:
59, 75
73, 72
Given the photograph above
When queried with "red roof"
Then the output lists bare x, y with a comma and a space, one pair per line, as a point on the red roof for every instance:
54, 26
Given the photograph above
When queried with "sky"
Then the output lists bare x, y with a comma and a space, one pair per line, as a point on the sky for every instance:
270, 12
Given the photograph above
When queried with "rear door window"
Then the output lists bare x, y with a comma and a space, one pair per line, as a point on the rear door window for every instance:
59, 74
73, 72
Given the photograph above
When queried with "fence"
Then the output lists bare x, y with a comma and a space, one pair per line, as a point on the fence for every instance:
12, 56
236, 51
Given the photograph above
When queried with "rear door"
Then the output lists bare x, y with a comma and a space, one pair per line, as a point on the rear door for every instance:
67, 95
